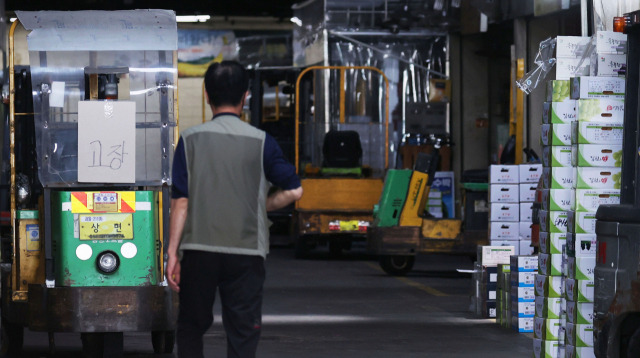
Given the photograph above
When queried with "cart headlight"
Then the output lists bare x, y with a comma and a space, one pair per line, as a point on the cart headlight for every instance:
108, 261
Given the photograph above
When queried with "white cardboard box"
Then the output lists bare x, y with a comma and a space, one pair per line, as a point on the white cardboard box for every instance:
555, 134
581, 222
581, 245
503, 230
525, 232
523, 279
596, 133
557, 90
579, 312
582, 268
608, 64
526, 211
579, 291
559, 112
496, 255
591, 199
549, 286
523, 309
547, 329
506, 243
505, 212
504, 193
597, 178
585, 87
608, 41
556, 156
571, 67
543, 348
523, 294
525, 247
549, 307
557, 199
579, 352
528, 192
553, 221
524, 263
550, 265
552, 243
503, 174
558, 178
529, 173
522, 324
597, 155
571, 46
602, 110
580, 335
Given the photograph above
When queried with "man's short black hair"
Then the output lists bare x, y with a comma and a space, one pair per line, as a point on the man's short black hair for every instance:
226, 83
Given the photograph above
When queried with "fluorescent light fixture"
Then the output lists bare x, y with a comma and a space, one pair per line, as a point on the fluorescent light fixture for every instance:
192, 18
296, 21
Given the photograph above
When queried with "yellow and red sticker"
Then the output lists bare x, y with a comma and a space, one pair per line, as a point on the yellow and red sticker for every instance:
103, 201
348, 225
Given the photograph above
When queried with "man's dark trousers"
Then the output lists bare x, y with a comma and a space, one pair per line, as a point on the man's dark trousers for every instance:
240, 279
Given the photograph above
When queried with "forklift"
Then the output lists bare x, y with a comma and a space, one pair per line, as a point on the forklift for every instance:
341, 154
616, 319
91, 129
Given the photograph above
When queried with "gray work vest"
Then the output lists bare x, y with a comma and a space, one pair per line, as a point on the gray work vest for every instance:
227, 188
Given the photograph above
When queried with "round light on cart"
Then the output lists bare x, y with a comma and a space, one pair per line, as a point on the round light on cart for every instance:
129, 250
84, 252
108, 261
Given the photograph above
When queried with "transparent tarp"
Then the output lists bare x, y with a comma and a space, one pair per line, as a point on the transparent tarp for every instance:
146, 77
363, 111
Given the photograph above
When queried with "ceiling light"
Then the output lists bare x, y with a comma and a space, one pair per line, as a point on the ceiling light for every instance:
192, 18
296, 21
13, 19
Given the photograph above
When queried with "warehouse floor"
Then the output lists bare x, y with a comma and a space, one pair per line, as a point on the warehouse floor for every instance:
347, 307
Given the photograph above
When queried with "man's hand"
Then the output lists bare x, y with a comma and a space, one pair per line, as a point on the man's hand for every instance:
173, 273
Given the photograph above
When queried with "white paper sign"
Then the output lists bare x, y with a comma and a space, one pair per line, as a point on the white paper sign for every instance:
106, 142
56, 98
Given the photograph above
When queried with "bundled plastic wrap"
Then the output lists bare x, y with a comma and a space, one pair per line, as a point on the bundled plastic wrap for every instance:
544, 62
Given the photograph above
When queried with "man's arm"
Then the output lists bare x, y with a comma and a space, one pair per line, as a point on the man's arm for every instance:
282, 198
177, 220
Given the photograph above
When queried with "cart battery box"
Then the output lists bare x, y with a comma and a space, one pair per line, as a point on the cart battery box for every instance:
581, 222
105, 238
558, 178
552, 243
550, 307
581, 245
579, 312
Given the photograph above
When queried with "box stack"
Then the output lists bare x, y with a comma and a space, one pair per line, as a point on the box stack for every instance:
486, 278
523, 269
504, 296
597, 157
504, 211
529, 175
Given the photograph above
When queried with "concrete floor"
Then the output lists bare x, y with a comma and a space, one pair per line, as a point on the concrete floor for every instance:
347, 307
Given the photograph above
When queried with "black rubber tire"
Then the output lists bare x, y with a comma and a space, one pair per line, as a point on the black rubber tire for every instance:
11, 339
633, 349
163, 341
92, 345
396, 265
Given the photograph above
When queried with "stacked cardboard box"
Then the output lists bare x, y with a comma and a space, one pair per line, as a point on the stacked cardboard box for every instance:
485, 283
523, 270
529, 177
504, 198
504, 296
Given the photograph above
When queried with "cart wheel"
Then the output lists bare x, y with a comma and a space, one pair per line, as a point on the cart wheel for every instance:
633, 349
11, 339
397, 265
163, 341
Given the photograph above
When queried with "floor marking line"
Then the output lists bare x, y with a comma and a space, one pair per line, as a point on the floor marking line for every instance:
407, 281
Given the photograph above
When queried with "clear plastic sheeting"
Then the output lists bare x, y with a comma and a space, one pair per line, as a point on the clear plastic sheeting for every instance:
544, 62
60, 82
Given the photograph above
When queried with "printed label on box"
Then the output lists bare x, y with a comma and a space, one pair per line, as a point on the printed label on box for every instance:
608, 64
581, 268
585, 87
556, 156
504, 230
591, 199
557, 199
527, 263
530, 173
581, 245
504, 193
505, 212
552, 243
597, 133
579, 312
503, 174
609, 41
558, 178
555, 134
553, 221
557, 90
598, 178
602, 110
571, 67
